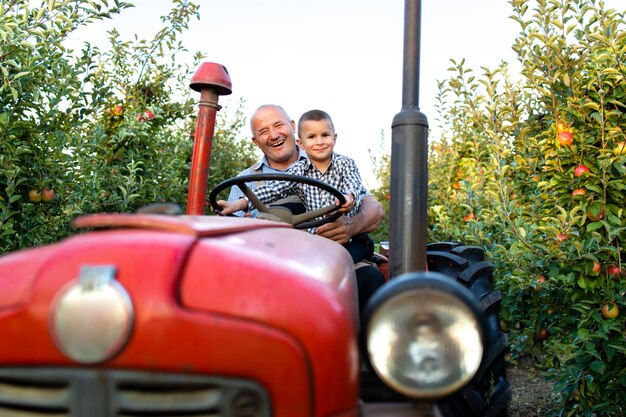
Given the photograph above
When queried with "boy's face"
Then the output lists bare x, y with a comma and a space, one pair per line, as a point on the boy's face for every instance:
317, 138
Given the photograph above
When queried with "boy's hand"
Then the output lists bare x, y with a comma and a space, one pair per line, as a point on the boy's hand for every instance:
230, 208
348, 205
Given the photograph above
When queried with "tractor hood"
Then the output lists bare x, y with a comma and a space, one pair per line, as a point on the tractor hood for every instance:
225, 296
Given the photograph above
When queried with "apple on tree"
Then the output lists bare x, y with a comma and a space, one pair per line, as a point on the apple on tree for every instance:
146, 115
47, 195
34, 195
469, 216
596, 211
578, 191
580, 170
615, 271
610, 311
565, 138
118, 110
596, 268
542, 334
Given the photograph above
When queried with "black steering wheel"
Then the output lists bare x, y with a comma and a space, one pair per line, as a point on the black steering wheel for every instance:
277, 213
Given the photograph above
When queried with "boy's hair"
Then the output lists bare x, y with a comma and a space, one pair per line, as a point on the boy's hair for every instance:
315, 116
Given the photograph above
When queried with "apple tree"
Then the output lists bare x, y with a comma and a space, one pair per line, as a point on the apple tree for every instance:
93, 130
532, 168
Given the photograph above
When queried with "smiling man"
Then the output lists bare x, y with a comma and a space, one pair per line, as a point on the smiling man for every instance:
274, 132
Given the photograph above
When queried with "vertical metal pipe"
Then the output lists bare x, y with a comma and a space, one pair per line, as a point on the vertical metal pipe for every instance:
411, 62
409, 161
201, 158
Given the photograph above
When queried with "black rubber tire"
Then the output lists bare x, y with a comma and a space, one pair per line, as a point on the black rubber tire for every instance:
489, 392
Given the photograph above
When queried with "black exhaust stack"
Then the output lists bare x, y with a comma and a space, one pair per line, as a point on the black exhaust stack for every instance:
409, 160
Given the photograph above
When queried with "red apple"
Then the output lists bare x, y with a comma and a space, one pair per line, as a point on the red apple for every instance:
580, 170
596, 211
118, 110
565, 138
560, 238
615, 271
578, 191
146, 115
47, 195
596, 268
34, 196
542, 335
469, 217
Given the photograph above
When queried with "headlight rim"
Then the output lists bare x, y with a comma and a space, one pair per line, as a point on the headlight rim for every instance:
419, 281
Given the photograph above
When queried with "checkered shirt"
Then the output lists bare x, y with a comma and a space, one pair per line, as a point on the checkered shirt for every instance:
260, 167
342, 173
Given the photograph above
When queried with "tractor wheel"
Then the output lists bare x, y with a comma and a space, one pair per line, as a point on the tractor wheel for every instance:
489, 392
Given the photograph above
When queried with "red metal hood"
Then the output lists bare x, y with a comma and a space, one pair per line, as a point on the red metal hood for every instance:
227, 296
18, 270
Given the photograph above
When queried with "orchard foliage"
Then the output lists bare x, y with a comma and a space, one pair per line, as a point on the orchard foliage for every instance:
107, 130
381, 161
506, 175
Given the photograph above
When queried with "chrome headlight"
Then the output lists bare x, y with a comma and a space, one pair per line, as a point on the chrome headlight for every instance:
424, 335
92, 317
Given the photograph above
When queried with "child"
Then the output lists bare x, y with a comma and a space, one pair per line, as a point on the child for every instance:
317, 137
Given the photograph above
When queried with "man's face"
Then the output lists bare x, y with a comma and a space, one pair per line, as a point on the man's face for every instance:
274, 134
317, 138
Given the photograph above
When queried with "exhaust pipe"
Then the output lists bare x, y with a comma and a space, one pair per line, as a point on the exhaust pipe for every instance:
408, 217
211, 80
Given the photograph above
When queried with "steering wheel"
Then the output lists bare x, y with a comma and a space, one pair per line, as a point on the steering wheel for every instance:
277, 213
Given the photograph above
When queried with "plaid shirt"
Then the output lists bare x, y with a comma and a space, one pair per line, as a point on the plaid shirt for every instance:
260, 167
342, 173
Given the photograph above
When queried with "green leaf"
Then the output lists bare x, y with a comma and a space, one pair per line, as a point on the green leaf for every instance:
598, 366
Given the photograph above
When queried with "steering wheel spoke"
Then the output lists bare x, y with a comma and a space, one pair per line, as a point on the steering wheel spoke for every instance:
256, 202
309, 219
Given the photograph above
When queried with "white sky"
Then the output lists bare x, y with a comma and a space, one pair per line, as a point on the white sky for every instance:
341, 56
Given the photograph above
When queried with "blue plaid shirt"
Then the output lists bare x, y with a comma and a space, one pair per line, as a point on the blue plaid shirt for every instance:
342, 173
261, 167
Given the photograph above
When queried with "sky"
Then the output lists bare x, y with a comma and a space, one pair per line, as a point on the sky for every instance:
341, 56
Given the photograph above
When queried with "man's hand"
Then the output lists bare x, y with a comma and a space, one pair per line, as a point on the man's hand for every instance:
368, 218
230, 208
340, 230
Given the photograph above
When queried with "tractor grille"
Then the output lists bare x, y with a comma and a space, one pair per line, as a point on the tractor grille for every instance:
52, 392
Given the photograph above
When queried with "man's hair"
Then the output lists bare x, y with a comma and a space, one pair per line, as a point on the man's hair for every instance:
315, 116
267, 106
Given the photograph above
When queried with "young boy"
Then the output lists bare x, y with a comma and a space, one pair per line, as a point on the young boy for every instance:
317, 137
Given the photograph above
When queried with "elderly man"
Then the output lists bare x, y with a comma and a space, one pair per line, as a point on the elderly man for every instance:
273, 131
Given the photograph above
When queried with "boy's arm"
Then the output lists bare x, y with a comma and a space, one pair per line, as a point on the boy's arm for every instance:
352, 182
348, 205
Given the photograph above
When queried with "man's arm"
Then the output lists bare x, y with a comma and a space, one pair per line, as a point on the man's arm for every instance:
235, 194
367, 219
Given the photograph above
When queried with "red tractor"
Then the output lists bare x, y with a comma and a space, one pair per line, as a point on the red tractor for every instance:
158, 314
